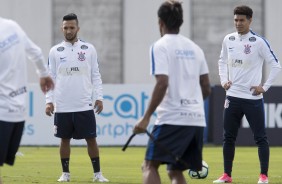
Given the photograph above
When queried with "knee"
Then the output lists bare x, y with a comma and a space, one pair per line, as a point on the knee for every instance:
145, 166
175, 174
149, 165
261, 140
171, 173
229, 139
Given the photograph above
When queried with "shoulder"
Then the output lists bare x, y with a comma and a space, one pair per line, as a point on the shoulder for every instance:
230, 37
86, 45
58, 48
9, 22
256, 38
11, 26
191, 44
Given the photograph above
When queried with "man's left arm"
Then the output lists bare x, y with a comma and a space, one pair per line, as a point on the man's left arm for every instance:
97, 83
205, 85
273, 62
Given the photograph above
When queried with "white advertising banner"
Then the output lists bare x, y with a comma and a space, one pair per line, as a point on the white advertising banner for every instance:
123, 106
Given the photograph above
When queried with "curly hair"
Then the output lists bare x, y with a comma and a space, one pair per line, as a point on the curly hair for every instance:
171, 13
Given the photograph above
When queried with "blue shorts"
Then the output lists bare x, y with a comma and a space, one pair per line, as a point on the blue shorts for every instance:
185, 142
10, 138
76, 125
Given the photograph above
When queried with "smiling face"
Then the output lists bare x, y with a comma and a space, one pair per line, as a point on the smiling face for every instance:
70, 29
242, 23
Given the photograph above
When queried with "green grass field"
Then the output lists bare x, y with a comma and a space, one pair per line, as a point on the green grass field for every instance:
42, 165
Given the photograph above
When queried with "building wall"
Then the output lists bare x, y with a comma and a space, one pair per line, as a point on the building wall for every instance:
273, 30
140, 31
212, 20
35, 18
123, 30
100, 24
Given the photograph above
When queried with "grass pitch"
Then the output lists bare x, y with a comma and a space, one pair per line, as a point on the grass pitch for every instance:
42, 165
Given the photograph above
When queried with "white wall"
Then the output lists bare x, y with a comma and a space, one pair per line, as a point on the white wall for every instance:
140, 31
273, 29
35, 18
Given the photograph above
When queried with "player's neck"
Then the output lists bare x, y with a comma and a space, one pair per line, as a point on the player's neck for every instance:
72, 41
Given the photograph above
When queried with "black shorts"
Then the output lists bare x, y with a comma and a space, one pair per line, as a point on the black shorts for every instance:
77, 125
10, 138
185, 142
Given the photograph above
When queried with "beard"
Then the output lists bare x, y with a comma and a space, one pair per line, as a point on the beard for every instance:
70, 37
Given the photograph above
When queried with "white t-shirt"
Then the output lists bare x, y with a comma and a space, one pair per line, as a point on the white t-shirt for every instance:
183, 62
15, 48
241, 62
75, 70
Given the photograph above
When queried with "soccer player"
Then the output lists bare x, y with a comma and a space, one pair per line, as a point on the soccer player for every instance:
15, 48
241, 61
182, 82
73, 65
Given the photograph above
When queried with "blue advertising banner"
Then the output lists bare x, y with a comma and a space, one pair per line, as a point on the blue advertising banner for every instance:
273, 117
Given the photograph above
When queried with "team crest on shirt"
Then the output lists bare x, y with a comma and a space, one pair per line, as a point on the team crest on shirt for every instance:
226, 103
247, 49
81, 56
60, 49
252, 39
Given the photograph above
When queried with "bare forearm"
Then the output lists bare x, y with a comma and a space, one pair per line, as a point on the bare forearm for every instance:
205, 85
157, 95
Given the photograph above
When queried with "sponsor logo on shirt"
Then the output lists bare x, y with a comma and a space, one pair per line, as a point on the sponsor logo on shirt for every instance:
16, 110
185, 102
68, 71
232, 38
9, 42
239, 63
187, 54
230, 49
60, 49
247, 49
17, 92
84, 47
193, 115
81, 56
252, 39
63, 59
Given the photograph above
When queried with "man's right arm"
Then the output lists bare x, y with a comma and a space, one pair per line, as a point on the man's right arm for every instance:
52, 72
205, 85
223, 69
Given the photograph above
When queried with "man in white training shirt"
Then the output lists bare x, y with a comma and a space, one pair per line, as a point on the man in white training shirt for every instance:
73, 65
182, 82
241, 61
15, 48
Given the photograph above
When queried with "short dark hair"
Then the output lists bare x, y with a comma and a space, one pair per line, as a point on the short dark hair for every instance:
171, 13
70, 16
244, 10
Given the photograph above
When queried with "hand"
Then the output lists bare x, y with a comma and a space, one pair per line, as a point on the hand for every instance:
98, 106
227, 85
257, 90
141, 126
49, 110
46, 84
